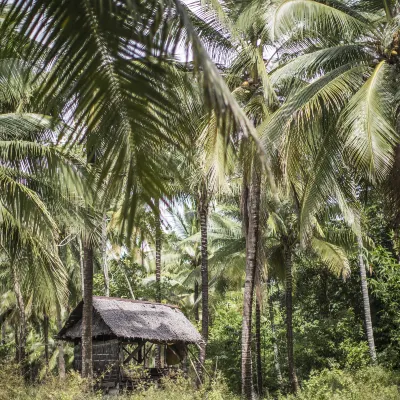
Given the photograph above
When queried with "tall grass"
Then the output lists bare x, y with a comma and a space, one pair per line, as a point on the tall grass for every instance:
371, 383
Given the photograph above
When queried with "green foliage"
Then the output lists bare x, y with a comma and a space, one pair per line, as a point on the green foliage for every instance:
129, 279
224, 348
125, 276
328, 319
370, 383
385, 287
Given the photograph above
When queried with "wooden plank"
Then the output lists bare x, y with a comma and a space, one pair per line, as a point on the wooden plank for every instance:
133, 354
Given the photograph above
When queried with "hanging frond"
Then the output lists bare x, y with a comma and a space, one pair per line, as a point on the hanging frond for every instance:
333, 256
367, 125
315, 16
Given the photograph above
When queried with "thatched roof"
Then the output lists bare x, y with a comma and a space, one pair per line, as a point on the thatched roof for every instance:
132, 319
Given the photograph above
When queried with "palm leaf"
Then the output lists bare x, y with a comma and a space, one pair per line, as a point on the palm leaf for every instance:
315, 16
332, 255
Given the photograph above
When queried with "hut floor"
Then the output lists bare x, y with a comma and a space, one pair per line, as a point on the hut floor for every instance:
147, 377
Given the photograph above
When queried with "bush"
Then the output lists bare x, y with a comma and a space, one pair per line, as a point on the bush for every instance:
369, 383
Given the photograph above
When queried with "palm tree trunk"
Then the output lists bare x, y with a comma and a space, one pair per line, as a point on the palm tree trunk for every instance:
274, 338
158, 269
104, 251
367, 308
158, 251
289, 320
196, 304
22, 322
87, 365
81, 265
203, 216
258, 349
46, 340
253, 211
61, 360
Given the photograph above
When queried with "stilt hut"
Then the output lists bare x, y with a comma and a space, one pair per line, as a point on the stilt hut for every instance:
126, 336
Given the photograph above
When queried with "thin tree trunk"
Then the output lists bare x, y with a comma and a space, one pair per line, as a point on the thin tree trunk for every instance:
16, 338
104, 253
367, 308
22, 323
253, 211
203, 216
158, 269
61, 360
81, 264
142, 250
274, 338
196, 304
46, 340
3, 332
258, 349
128, 283
87, 365
289, 320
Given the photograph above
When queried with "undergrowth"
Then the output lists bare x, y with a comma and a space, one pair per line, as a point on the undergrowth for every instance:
370, 383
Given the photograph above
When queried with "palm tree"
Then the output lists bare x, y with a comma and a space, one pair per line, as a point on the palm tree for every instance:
283, 243
183, 255
121, 83
343, 82
40, 185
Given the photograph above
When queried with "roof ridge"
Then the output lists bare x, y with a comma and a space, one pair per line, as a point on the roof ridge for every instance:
137, 301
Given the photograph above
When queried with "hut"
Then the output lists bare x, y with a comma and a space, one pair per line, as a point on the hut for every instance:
126, 335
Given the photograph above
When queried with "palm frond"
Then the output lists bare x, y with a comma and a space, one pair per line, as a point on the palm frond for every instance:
368, 127
334, 257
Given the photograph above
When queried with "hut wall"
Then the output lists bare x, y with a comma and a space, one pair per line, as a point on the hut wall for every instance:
105, 359
78, 357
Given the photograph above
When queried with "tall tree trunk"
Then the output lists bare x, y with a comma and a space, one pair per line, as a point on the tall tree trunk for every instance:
367, 308
81, 265
196, 304
158, 269
22, 322
203, 216
274, 338
289, 320
61, 360
46, 340
253, 211
87, 364
258, 349
158, 251
87, 311
104, 254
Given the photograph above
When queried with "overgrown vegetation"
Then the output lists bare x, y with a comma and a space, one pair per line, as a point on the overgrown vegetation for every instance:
368, 383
